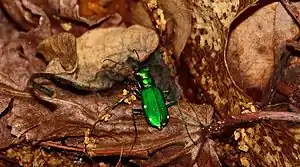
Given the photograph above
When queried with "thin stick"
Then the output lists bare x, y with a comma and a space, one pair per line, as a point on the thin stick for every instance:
292, 10
221, 126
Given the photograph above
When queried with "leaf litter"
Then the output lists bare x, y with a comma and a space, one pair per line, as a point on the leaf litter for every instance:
64, 120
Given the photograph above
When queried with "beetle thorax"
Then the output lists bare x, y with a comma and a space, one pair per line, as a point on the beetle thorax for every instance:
144, 78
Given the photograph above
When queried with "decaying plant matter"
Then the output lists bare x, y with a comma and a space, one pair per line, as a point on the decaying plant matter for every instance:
232, 128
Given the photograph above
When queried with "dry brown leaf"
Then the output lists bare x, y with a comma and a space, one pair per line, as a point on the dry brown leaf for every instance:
90, 12
43, 30
205, 117
62, 46
208, 156
254, 45
87, 69
20, 15
178, 12
7, 30
140, 15
74, 116
29, 17
6, 137
18, 63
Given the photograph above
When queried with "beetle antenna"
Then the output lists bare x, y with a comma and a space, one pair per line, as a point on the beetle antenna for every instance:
111, 61
185, 125
137, 55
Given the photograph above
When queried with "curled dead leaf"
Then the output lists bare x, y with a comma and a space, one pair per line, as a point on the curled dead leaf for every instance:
29, 16
90, 12
62, 46
203, 54
255, 46
21, 16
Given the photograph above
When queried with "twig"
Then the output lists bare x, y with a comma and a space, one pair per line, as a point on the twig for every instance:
221, 126
292, 10
56, 145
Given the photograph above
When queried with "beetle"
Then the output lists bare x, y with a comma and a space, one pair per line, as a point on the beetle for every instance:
154, 105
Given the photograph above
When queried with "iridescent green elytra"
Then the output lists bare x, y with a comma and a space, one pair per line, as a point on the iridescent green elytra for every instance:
154, 104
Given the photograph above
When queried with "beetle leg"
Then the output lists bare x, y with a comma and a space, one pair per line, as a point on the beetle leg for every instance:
185, 125
137, 111
170, 104
166, 93
137, 93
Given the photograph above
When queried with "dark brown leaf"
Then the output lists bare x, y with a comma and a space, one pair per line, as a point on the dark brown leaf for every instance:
20, 15
208, 156
76, 115
18, 63
6, 138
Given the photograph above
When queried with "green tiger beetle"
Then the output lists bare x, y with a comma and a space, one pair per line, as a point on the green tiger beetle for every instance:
154, 105
153, 100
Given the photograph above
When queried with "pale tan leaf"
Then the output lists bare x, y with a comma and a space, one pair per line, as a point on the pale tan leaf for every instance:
87, 68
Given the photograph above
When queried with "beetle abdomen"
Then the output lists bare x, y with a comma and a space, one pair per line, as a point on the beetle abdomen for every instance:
155, 110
